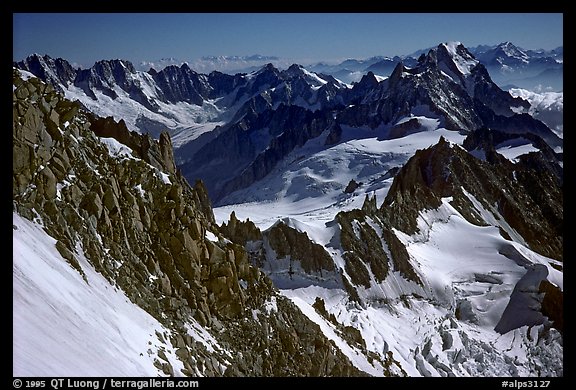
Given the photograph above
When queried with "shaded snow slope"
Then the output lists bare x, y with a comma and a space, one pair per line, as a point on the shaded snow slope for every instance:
66, 326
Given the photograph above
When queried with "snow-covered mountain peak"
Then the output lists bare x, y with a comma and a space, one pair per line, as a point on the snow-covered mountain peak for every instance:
452, 45
55, 71
295, 70
505, 54
512, 50
457, 54
458, 272
126, 65
369, 80
298, 71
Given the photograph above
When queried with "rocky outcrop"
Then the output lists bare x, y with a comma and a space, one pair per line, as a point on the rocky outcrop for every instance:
146, 230
288, 256
370, 248
352, 186
289, 242
527, 195
240, 232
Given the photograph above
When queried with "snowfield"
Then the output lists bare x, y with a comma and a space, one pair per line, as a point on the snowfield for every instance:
309, 184
185, 121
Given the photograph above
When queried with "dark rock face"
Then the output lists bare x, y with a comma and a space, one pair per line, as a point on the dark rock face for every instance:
405, 128
527, 196
182, 84
491, 96
362, 250
240, 232
552, 305
152, 227
288, 242
54, 71
352, 186
368, 243
222, 83
407, 89
367, 83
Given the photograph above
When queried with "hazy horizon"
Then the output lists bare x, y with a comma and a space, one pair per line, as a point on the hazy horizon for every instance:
84, 39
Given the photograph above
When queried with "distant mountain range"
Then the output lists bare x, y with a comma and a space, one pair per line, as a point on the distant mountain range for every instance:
226, 64
508, 65
448, 83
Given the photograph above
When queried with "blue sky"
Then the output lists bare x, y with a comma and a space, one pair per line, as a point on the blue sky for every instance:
86, 38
